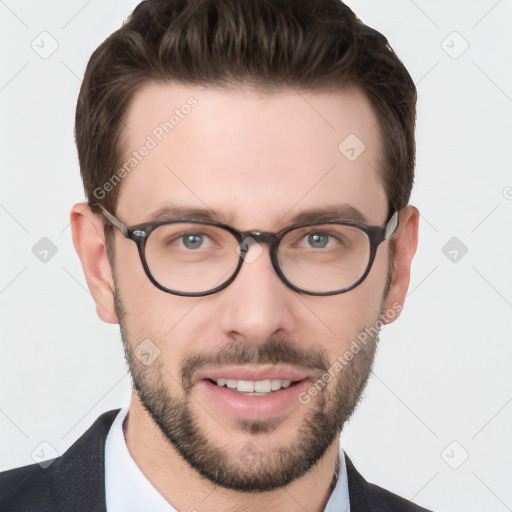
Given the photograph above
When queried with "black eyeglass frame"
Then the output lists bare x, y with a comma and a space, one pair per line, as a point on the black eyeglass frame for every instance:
139, 233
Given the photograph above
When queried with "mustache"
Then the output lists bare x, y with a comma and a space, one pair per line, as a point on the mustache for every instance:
273, 351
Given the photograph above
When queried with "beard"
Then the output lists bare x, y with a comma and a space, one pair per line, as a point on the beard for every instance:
250, 469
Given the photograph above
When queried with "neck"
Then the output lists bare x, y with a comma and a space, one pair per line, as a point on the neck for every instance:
185, 489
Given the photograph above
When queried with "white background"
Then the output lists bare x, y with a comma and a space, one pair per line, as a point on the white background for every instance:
443, 370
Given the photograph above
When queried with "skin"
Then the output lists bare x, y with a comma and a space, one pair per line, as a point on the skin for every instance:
256, 159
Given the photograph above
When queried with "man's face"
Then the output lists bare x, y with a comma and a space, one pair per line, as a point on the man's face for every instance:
256, 161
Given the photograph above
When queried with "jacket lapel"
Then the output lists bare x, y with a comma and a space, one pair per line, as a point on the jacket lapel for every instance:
73, 481
79, 476
360, 493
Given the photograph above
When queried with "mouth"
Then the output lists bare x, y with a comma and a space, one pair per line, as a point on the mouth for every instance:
252, 393
254, 387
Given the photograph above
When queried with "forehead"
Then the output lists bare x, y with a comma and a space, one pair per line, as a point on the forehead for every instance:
253, 157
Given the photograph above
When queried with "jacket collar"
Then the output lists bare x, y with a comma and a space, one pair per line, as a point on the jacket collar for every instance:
78, 477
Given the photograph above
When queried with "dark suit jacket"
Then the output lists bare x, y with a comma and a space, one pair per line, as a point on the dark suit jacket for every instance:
75, 481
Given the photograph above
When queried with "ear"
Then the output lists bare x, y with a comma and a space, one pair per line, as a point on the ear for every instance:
88, 239
406, 242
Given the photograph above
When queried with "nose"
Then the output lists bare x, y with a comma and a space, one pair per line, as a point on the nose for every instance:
257, 304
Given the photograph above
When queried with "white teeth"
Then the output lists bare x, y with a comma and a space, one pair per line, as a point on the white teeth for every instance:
258, 387
230, 383
263, 386
276, 384
246, 386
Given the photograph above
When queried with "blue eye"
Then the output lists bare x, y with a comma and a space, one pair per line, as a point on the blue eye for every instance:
192, 240
318, 240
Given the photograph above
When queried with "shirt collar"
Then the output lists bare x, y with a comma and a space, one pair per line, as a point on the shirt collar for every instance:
128, 490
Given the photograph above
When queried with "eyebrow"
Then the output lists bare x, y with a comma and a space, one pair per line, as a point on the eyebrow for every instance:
176, 212
342, 213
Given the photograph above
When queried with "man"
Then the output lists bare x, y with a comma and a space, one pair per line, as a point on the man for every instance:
248, 166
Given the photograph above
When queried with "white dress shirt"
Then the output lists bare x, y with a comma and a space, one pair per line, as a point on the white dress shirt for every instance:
128, 490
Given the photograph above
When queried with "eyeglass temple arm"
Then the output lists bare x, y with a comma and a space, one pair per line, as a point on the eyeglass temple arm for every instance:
391, 226
117, 223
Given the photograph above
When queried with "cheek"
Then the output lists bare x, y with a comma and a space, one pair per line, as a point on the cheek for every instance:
335, 321
175, 325
130, 274
380, 271
368, 297
149, 313
342, 319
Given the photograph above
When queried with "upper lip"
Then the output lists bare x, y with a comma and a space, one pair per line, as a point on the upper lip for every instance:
254, 373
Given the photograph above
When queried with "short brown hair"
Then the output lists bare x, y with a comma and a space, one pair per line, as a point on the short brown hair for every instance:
305, 44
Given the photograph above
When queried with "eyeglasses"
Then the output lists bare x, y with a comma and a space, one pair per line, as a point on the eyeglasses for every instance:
193, 258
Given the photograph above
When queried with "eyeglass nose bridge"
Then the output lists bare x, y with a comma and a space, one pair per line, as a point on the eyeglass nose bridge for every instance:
248, 238
255, 237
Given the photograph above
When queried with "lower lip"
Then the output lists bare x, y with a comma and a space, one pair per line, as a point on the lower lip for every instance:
253, 407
